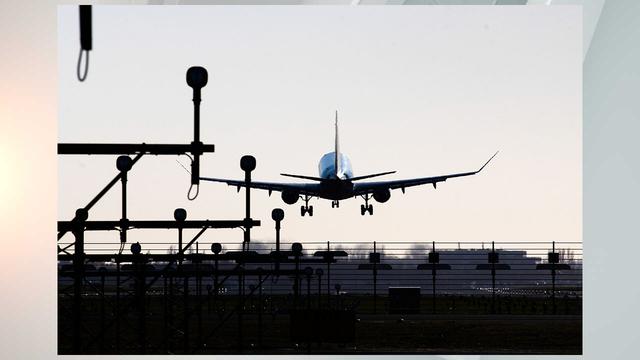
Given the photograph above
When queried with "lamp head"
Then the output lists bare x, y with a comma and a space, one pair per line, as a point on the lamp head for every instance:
216, 248
277, 214
180, 214
197, 77
124, 163
248, 163
136, 248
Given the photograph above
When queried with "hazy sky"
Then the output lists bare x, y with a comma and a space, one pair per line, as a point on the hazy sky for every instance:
421, 90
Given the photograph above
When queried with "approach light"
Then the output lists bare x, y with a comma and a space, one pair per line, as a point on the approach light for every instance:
136, 249
248, 163
180, 214
197, 77
216, 248
124, 163
277, 214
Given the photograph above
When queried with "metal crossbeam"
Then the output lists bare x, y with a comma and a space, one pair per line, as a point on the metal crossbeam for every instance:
157, 224
125, 149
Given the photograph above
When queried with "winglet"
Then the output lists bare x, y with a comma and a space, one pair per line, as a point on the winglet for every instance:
485, 164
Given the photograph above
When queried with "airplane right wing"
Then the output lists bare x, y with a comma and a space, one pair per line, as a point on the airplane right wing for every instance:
311, 189
370, 187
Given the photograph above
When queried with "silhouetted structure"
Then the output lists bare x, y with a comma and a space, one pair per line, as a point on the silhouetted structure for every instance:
141, 302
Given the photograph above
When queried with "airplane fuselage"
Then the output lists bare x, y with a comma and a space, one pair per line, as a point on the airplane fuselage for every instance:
335, 184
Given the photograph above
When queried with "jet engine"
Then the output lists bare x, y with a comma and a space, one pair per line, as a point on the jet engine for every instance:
290, 197
382, 195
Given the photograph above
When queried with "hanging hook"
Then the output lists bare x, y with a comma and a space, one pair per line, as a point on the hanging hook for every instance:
82, 76
86, 41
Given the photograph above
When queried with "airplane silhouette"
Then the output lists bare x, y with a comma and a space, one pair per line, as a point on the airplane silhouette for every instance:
336, 182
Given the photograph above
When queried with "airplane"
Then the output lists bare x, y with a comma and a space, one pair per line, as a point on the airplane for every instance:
336, 182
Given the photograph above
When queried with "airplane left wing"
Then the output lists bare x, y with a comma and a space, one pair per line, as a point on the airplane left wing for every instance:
369, 187
311, 189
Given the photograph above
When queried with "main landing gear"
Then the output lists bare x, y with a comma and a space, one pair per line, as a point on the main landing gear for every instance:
366, 207
335, 204
306, 209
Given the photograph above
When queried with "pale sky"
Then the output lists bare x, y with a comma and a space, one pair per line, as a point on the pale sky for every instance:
422, 90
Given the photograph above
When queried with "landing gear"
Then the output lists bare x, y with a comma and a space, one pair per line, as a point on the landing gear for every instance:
306, 209
366, 207
335, 204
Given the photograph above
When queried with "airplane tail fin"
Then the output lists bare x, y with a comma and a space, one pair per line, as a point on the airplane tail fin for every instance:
337, 150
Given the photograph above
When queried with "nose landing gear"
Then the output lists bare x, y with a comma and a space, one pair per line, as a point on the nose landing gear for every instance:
306, 209
366, 207
335, 204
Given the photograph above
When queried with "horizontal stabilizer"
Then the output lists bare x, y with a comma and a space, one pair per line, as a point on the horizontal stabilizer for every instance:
370, 176
304, 177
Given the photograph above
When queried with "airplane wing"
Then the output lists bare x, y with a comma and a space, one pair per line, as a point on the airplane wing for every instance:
311, 189
362, 188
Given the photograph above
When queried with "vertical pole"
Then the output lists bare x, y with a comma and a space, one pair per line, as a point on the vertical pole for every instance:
186, 313
328, 276
117, 310
170, 310
260, 304
198, 297
553, 281
278, 245
123, 230
140, 294
197, 79
375, 282
493, 283
433, 282
102, 309
296, 287
308, 292
215, 284
196, 114
180, 250
247, 217
319, 291
165, 327
247, 164
78, 270
240, 309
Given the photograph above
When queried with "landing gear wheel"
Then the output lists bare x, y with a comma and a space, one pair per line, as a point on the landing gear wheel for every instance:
306, 209
335, 204
366, 207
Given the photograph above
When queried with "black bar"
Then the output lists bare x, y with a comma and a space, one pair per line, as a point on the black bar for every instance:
85, 27
123, 149
158, 224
